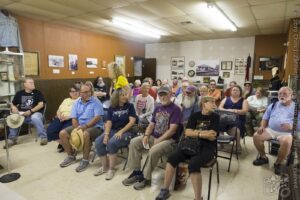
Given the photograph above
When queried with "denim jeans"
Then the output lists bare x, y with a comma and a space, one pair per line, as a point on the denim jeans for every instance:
113, 144
36, 119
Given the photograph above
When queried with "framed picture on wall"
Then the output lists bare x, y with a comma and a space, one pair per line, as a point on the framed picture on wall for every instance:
206, 79
91, 62
73, 62
226, 65
55, 61
3, 76
268, 62
177, 62
31, 63
120, 60
226, 74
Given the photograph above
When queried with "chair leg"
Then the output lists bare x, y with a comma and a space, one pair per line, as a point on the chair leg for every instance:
145, 163
236, 151
218, 178
125, 164
209, 183
231, 152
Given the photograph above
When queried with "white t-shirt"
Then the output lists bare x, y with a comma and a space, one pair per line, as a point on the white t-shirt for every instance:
254, 102
144, 106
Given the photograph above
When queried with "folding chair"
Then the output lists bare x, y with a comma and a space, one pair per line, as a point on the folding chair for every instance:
228, 119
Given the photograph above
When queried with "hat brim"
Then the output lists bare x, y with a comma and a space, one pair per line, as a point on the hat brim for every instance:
11, 125
77, 134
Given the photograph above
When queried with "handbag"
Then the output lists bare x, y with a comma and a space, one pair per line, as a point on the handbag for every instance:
227, 117
190, 146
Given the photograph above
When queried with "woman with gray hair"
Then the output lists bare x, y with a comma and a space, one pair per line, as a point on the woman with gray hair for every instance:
120, 118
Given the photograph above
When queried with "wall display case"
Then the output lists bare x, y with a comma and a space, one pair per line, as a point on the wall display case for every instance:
11, 74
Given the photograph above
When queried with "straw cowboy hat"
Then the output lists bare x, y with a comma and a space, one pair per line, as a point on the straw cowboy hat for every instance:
15, 120
76, 139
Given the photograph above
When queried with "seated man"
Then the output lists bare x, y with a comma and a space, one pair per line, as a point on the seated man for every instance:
277, 123
214, 92
188, 101
159, 136
86, 114
29, 103
257, 106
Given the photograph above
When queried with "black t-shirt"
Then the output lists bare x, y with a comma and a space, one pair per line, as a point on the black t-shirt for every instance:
101, 89
199, 121
26, 101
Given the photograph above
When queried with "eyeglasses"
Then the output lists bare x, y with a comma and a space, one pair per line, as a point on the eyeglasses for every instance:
84, 92
73, 91
162, 94
212, 84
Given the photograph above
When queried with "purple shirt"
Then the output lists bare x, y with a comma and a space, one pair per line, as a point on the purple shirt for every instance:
163, 116
136, 91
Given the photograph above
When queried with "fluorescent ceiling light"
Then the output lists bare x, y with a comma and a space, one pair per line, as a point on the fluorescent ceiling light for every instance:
220, 16
136, 27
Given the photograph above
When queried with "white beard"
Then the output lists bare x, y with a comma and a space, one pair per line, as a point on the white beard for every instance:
101, 84
188, 102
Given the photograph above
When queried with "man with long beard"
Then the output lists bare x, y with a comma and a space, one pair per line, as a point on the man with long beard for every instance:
188, 101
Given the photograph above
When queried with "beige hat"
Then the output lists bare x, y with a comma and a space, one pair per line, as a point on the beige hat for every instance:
15, 120
77, 139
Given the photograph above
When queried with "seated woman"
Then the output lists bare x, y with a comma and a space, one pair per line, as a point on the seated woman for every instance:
121, 117
136, 89
62, 119
257, 106
204, 126
237, 104
144, 106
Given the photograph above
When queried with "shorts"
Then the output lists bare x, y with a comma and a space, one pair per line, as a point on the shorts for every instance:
276, 135
93, 131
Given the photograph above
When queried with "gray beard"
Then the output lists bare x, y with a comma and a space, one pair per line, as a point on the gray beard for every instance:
101, 84
188, 102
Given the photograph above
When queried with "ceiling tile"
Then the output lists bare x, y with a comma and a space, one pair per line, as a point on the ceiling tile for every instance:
293, 8
111, 3
261, 2
161, 8
197, 28
94, 18
137, 12
167, 26
86, 5
275, 10
5, 2
272, 31
82, 22
25, 10
53, 7
225, 4
270, 23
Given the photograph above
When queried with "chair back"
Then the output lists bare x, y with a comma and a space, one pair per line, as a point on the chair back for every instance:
227, 118
44, 113
179, 132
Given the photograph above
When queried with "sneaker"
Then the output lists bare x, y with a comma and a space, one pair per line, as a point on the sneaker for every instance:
260, 161
110, 174
44, 141
142, 184
82, 165
68, 161
163, 194
277, 169
10, 143
99, 171
132, 179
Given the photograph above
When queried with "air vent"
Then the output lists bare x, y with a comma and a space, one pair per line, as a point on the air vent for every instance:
184, 23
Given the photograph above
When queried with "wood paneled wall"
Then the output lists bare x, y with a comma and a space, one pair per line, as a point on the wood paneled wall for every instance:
52, 39
265, 46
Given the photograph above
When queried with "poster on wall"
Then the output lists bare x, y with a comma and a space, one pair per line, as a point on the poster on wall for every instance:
240, 66
177, 63
120, 60
208, 68
55, 61
73, 62
91, 62
177, 74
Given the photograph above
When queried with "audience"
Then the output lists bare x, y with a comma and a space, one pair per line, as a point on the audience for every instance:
213, 92
86, 114
136, 88
277, 123
228, 90
121, 117
30, 103
152, 91
204, 126
248, 90
203, 91
175, 86
160, 137
62, 119
257, 106
237, 104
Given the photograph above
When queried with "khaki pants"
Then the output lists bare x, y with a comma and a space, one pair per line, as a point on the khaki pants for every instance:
136, 148
249, 117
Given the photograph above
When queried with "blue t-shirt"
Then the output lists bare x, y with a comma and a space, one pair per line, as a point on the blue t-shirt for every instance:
119, 116
85, 112
280, 114
163, 116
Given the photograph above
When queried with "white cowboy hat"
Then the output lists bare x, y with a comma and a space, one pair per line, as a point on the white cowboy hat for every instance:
15, 120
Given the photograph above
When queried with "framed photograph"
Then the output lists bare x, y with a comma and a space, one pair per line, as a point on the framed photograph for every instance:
226, 65
120, 60
73, 62
177, 74
3, 76
208, 68
226, 74
177, 62
240, 66
91, 62
206, 79
55, 61
31, 63
268, 62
